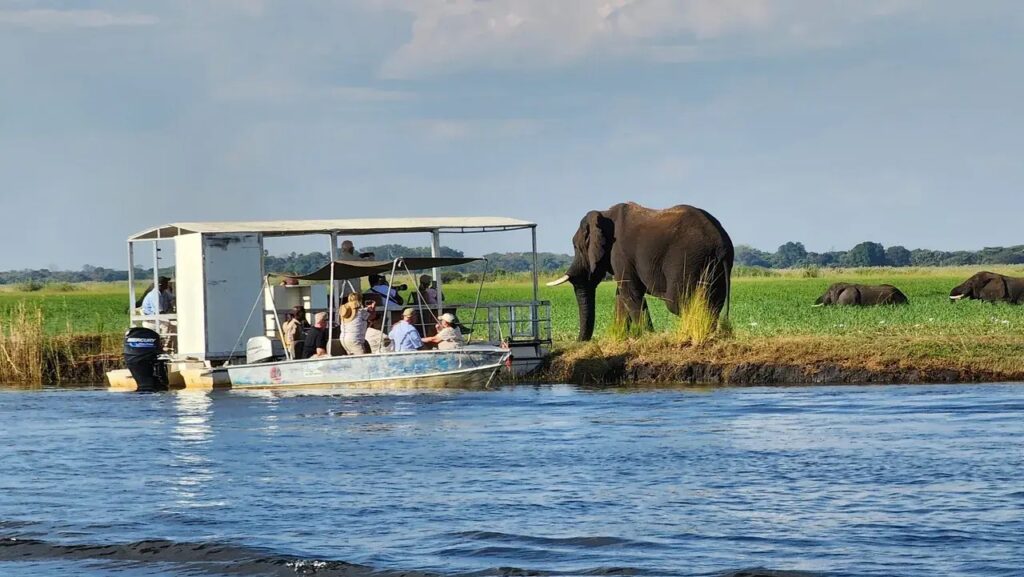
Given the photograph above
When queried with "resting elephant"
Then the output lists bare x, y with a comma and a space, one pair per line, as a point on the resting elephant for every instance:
663, 253
842, 293
989, 286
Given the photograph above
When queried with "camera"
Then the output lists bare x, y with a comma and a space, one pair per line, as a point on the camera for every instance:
401, 287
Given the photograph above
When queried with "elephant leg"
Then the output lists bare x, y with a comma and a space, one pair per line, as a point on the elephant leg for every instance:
630, 305
645, 313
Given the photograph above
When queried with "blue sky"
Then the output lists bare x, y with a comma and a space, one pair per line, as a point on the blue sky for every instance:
829, 122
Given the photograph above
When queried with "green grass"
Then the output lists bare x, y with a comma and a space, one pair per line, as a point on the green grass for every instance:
94, 308
761, 306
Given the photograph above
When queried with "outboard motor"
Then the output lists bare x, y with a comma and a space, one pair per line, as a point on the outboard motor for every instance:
142, 352
258, 350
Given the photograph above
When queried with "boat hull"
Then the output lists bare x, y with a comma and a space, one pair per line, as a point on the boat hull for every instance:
458, 368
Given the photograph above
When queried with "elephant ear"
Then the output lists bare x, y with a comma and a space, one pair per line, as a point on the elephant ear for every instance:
598, 239
993, 289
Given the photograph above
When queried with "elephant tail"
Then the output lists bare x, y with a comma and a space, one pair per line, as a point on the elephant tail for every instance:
728, 287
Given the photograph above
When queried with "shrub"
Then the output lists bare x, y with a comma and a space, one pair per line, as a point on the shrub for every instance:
811, 272
753, 271
29, 286
450, 276
62, 287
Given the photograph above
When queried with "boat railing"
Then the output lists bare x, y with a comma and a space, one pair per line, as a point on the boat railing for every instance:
509, 321
164, 324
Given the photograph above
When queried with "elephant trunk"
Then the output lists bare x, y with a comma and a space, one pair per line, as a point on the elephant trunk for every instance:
585, 298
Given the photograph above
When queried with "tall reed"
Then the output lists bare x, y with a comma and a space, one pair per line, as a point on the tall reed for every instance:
22, 345
29, 356
698, 319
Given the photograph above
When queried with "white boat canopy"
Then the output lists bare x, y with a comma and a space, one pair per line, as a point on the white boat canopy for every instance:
349, 269
355, 226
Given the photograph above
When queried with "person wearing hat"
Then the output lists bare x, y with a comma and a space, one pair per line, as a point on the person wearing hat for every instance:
388, 296
448, 336
404, 336
354, 318
160, 301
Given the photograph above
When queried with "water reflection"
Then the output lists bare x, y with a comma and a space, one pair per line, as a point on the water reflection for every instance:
190, 446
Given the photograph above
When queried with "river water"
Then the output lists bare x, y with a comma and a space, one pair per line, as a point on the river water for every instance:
900, 480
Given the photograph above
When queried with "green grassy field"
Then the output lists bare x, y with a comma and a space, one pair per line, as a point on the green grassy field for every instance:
761, 306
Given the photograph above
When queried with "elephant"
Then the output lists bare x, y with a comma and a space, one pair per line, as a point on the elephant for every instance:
663, 253
992, 287
863, 295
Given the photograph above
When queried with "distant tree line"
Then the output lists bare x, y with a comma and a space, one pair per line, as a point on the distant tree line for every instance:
507, 262
88, 273
793, 254
789, 255
303, 263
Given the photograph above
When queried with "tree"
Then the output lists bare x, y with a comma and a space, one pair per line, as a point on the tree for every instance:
789, 255
746, 255
865, 254
897, 256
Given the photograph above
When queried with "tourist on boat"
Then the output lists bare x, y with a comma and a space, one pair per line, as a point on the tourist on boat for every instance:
348, 252
426, 289
293, 331
389, 295
158, 302
376, 340
354, 319
449, 335
315, 345
404, 336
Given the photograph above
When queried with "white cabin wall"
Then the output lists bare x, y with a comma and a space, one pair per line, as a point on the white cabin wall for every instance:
189, 289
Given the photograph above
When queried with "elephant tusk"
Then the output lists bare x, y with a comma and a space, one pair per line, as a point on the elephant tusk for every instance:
559, 280
956, 298
818, 305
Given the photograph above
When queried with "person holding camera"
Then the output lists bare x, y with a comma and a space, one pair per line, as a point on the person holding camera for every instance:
390, 298
348, 252
354, 318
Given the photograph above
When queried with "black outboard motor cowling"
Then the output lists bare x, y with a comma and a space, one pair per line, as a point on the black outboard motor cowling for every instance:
142, 352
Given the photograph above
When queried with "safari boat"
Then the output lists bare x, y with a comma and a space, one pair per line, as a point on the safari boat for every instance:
214, 338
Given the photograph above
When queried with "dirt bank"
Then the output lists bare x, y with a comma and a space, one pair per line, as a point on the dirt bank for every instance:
817, 360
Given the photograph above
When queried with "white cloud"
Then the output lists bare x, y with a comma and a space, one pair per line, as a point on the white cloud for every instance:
50, 20
457, 35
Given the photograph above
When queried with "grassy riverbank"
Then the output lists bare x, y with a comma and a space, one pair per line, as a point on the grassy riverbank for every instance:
775, 333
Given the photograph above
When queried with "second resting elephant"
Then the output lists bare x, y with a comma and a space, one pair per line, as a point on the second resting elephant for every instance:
992, 287
662, 253
842, 293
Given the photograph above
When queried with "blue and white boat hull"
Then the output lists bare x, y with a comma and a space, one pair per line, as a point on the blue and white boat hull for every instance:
469, 367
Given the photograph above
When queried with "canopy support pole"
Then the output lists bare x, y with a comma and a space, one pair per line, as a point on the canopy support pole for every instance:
534, 314
131, 281
435, 251
333, 295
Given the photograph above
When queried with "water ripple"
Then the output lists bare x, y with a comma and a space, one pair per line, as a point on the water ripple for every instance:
537, 480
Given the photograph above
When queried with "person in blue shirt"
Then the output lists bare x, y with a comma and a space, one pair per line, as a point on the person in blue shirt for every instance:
158, 301
404, 336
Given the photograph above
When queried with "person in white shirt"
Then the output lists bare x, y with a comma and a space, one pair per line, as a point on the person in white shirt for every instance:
448, 336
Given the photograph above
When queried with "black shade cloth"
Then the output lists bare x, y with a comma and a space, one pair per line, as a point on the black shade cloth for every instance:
349, 269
